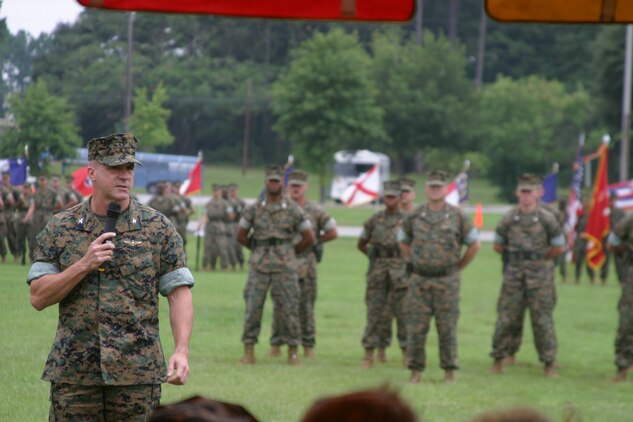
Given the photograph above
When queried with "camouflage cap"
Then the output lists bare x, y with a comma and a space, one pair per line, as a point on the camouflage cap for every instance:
407, 184
6, 173
529, 181
232, 185
437, 178
216, 186
298, 177
391, 188
274, 172
69, 178
113, 150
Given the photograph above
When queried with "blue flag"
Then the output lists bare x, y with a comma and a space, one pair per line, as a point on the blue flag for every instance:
549, 188
16, 167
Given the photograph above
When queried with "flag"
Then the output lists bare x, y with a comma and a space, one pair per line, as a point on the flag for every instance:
16, 168
193, 184
458, 188
598, 223
366, 188
549, 188
623, 192
452, 196
82, 182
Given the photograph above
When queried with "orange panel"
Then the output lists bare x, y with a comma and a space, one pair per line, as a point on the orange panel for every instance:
562, 11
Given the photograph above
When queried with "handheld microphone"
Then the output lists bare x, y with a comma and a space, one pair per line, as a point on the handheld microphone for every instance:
114, 210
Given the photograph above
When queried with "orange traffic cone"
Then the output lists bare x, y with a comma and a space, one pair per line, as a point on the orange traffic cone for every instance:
479, 216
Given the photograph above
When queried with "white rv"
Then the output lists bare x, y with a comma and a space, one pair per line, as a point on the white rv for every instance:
349, 164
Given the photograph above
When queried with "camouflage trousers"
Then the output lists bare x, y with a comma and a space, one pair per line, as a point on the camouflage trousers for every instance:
11, 222
394, 310
231, 240
22, 232
99, 403
215, 246
3, 236
515, 297
284, 290
307, 299
428, 297
624, 336
384, 283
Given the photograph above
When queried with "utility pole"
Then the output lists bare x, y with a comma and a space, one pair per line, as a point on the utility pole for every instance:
247, 126
481, 48
128, 72
626, 107
418, 22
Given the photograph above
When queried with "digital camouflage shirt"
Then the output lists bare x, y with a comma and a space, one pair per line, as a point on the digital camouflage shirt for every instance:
277, 223
436, 237
108, 324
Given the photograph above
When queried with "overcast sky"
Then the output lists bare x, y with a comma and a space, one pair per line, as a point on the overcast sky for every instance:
37, 16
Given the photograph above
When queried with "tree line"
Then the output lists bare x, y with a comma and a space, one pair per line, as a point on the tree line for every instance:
311, 88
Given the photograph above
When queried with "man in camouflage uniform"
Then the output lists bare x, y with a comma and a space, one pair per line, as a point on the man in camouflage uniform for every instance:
46, 202
515, 344
164, 202
185, 210
70, 195
615, 216
106, 362
385, 277
407, 198
238, 205
620, 241
230, 232
324, 229
269, 229
532, 237
431, 238
10, 195
217, 213
23, 228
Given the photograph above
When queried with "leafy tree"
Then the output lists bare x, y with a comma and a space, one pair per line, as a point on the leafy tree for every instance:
528, 124
326, 100
149, 119
427, 98
44, 123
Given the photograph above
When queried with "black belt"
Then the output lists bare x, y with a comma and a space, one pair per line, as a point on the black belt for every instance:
433, 273
525, 256
387, 252
271, 242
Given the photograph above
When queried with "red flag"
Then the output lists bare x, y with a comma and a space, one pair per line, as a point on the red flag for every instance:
82, 182
598, 224
365, 188
193, 184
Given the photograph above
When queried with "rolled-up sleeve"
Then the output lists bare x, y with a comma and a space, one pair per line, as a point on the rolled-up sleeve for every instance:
471, 237
40, 269
176, 278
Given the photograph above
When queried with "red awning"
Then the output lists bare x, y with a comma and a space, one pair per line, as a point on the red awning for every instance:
349, 10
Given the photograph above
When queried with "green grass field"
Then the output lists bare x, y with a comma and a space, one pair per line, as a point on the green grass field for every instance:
586, 320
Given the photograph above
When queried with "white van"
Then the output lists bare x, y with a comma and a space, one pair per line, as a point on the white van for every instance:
349, 164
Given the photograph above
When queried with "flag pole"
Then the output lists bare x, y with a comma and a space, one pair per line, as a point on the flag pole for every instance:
626, 106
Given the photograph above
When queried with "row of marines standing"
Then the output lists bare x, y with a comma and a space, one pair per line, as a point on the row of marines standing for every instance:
25, 210
414, 274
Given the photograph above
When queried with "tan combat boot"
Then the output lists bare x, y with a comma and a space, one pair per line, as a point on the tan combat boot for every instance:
550, 370
621, 375
308, 352
509, 360
368, 360
416, 377
275, 351
497, 367
449, 376
382, 355
249, 355
293, 356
